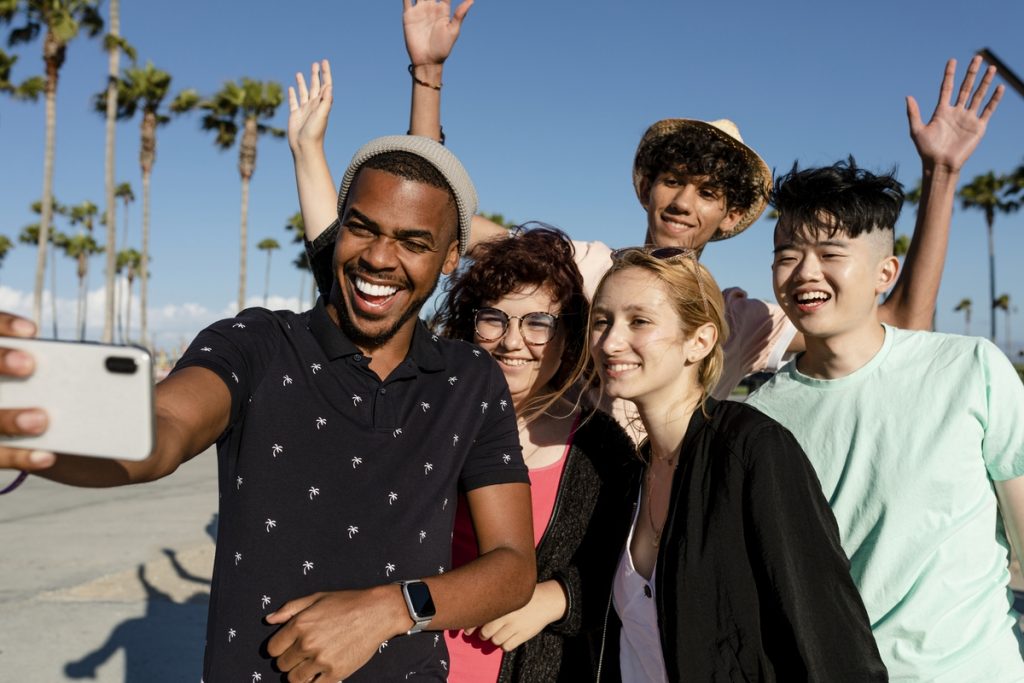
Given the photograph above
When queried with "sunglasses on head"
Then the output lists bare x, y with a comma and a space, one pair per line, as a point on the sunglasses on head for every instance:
668, 254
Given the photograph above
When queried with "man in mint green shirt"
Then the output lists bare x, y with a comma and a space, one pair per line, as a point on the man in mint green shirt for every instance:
914, 435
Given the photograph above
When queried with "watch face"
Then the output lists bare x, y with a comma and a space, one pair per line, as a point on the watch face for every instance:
419, 597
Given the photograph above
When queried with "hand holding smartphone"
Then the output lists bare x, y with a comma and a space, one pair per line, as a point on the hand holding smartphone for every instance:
99, 398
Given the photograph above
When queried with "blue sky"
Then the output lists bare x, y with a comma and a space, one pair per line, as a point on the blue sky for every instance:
544, 102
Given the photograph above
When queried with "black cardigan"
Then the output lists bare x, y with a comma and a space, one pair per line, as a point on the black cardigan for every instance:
580, 550
752, 583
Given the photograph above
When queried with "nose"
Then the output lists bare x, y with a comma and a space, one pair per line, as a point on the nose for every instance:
380, 254
808, 269
682, 199
610, 341
513, 337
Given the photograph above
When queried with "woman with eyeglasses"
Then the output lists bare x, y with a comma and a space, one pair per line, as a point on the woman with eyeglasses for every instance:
731, 568
522, 301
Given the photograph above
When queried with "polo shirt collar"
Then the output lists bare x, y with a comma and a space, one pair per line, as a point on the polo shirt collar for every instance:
423, 351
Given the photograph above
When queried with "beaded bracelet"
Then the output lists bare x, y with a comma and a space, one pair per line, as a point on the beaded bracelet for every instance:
22, 476
423, 83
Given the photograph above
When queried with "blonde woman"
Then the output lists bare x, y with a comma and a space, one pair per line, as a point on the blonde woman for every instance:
732, 569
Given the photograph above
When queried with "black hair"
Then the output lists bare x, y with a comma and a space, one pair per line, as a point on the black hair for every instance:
411, 167
838, 198
695, 151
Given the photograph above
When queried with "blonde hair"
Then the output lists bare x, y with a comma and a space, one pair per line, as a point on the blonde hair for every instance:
696, 298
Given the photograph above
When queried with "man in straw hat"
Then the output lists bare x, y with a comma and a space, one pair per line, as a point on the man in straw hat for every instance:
344, 435
697, 181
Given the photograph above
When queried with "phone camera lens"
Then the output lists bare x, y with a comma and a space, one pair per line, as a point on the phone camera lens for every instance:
122, 365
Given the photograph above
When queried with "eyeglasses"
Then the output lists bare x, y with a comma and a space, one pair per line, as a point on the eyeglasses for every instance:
668, 254
536, 328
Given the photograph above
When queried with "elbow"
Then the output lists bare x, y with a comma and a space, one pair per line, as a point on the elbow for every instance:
523, 579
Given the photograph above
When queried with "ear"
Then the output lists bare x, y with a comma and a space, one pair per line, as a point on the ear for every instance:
451, 259
701, 343
732, 218
888, 271
645, 192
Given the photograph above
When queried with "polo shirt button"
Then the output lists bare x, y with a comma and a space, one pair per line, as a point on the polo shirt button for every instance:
647, 590
357, 358
383, 391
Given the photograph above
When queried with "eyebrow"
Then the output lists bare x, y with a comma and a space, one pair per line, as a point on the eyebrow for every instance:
400, 233
825, 243
631, 308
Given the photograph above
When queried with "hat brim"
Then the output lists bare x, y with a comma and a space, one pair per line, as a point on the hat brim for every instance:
755, 165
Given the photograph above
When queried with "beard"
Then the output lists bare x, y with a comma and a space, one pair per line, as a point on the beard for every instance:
360, 337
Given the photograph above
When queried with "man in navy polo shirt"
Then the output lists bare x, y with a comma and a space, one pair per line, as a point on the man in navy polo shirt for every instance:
343, 435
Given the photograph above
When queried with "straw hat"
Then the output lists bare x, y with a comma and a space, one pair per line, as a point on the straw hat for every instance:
725, 130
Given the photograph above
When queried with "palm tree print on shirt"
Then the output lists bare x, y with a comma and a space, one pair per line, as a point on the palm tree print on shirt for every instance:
427, 468
270, 524
425, 406
238, 483
265, 601
307, 566
206, 348
388, 568
277, 450
356, 461
455, 439
313, 492
483, 407
506, 458
240, 326
231, 634
238, 558
234, 377
503, 404
321, 422
315, 367
423, 535
452, 380
352, 531
286, 380
392, 497
256, 677
382, 646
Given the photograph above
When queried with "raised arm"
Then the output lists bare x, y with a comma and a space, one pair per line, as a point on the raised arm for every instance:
430, 33
309, 108
944, 143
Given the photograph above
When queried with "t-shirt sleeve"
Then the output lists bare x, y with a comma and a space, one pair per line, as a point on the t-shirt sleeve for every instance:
593, 259
1003, 445
496, 456
238, 350
320, 255
759, 334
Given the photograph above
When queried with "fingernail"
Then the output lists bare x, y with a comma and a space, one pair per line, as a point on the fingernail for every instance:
23, 327
42, 458
30, 421
19, 361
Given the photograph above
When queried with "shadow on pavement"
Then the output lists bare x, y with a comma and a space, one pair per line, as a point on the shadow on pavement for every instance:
163, 646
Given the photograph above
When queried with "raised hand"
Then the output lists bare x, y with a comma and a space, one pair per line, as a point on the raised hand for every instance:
309, 108
431, 30
16, 421
956, 128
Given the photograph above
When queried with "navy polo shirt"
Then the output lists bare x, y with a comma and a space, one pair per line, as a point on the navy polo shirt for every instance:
331, 478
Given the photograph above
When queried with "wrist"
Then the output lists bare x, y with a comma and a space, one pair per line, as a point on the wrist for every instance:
939, 170
396, 613
428, 72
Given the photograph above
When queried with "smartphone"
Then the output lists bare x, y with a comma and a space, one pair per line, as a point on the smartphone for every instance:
99, 398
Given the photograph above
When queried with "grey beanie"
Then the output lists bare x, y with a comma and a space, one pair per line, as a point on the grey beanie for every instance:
438, 156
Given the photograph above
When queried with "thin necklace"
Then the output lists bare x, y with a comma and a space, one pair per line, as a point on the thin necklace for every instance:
650, 503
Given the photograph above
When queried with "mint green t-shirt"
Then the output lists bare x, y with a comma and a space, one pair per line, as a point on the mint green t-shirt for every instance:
907, 448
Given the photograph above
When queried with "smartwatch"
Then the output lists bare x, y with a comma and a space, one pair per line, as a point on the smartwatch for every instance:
420, 604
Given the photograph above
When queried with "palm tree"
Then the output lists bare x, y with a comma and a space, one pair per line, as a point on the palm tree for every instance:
965, 306
62, 20
80, 247
128, 261
901, 246
28, 90
113, 44
55, 240
146, 88
244, 105
297, 228
268, 245
124, 192
984, 193
5, 246
1003, 304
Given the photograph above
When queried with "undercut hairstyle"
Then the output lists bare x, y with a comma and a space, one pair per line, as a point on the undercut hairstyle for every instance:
539, 257
417, 169
693, 151
838, 199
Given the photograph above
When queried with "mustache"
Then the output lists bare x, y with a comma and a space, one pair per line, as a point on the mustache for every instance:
353, 271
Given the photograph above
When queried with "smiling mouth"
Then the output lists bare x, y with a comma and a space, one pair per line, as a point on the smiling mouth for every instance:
512, 362
811, 301
373, 295
614, 370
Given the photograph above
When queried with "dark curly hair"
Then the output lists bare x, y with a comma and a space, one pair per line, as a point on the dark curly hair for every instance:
542, 257
838, 198
695, 151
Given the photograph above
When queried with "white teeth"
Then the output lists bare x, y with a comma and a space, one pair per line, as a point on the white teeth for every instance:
807, 297
374, 290
513, 362
622, 367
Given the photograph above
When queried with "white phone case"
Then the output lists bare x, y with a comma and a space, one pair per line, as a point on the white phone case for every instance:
99, 398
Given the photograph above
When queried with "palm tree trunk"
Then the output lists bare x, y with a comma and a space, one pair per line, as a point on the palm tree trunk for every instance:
144, 266
53, 288
126, 335
266, 279
113, 66
302, 290
82, 291
53, 55
243, 237
991, 280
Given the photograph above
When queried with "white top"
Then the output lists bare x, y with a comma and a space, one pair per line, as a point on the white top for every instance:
640, 656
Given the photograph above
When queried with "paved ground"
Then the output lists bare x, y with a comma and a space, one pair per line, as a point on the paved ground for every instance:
108, 585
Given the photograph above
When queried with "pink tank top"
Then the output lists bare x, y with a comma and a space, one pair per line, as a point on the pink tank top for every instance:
472, 660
